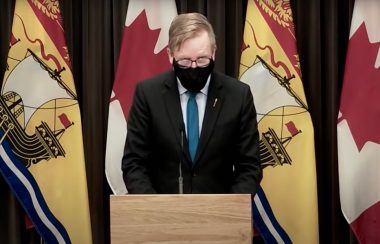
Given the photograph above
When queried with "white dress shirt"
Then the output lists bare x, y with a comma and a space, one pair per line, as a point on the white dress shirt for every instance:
201, 99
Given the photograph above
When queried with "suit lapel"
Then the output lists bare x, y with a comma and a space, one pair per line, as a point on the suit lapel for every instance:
173, 108
214, 103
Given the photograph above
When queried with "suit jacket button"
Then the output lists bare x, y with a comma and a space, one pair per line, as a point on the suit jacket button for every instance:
194, 174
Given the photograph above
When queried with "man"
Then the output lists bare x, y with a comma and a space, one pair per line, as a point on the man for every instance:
166, 151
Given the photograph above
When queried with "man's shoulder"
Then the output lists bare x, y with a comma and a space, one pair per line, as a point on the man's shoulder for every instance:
158, 78
230, 81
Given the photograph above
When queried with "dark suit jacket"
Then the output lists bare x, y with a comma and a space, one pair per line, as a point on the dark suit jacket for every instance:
227, 159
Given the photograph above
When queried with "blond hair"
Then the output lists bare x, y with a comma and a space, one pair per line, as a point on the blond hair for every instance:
189, 25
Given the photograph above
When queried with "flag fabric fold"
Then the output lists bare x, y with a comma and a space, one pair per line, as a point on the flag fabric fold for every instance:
357, 128
41, 151
142, 54
288, 211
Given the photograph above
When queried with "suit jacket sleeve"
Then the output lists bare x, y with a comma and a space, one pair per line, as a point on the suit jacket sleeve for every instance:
248, 172
137, 148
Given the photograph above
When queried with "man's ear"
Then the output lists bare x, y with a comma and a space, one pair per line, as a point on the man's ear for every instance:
170, 56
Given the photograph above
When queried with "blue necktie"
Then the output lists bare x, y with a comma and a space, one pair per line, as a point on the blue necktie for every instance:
192, 124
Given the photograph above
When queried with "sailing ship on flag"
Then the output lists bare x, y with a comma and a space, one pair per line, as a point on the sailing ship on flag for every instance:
283, 104
18, 107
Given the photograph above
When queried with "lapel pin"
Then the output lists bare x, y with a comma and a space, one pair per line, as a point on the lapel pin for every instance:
215, 101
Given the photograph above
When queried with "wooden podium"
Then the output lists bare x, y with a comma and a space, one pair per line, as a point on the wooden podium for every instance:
188, 218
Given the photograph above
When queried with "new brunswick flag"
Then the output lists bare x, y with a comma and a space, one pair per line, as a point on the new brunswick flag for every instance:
41, 151
285, 209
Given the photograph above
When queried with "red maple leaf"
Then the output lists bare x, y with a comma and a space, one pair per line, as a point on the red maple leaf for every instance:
361, 89
137, 60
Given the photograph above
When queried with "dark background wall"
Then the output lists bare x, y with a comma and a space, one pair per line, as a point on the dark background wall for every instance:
93, 32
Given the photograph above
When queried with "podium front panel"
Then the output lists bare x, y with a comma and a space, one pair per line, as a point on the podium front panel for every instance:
188, 218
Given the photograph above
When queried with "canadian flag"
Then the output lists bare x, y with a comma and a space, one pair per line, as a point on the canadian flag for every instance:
142, 54
358, 125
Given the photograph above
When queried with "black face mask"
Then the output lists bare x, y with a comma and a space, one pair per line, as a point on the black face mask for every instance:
193, 79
